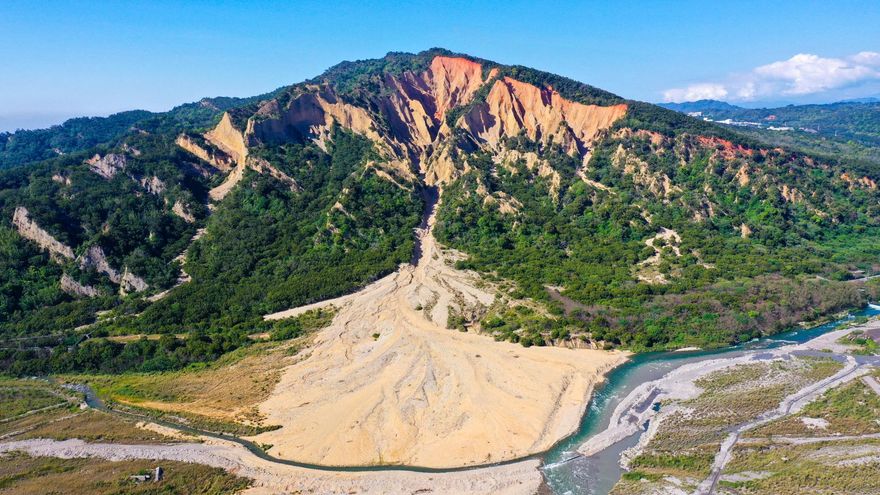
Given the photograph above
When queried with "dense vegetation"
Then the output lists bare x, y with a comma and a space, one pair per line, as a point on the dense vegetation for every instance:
267, 248
25, 146
592, 241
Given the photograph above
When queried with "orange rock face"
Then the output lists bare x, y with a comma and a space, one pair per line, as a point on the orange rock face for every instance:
408, 120
725, 149
229, 139
454, 82
545, 116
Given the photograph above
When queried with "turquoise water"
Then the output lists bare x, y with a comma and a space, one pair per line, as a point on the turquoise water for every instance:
596, 475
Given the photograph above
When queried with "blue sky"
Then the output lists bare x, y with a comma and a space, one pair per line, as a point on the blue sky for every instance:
61, 59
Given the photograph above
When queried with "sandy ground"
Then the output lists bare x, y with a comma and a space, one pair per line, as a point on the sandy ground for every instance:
387, 382
272, 478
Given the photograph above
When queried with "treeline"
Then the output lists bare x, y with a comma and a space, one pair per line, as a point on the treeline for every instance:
92, 351
26, 146
106, 356
83, 133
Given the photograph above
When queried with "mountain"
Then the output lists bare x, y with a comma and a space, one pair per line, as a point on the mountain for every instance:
867, 99
703, 106
604, 222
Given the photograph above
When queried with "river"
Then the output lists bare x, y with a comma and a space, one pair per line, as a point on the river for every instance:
568, 473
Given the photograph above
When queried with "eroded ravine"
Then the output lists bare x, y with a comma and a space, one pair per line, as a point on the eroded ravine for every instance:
388, 383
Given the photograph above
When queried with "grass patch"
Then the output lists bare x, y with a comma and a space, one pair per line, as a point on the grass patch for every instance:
22, 396
24, 475
825, 468
222, 396
850, 409
94, 426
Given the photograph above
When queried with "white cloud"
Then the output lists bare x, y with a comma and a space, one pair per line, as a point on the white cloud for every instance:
703, 91
805, 74
866, 58
802, 74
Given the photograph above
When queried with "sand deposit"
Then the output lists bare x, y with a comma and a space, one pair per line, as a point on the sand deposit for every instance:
387, 382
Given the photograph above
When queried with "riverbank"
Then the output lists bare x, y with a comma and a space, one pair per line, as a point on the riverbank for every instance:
515, 477
521, 478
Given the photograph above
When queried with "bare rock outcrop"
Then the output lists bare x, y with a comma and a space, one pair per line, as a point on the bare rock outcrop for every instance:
854, 181
152, 184
407, 121
108, 165
234, 177
507, 158
229, 139
658, 183
29, 229
216, 157
543, 114
263, 166
131, 283
76, 289
61, 179
94, 258
231, 155
183, 212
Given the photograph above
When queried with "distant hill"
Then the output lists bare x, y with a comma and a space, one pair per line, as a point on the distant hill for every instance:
844, 129
705, 106
28, 146
858, 121
869, 99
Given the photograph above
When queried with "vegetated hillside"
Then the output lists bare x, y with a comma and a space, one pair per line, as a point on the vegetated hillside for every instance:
849, 128
658, 230
78, 134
